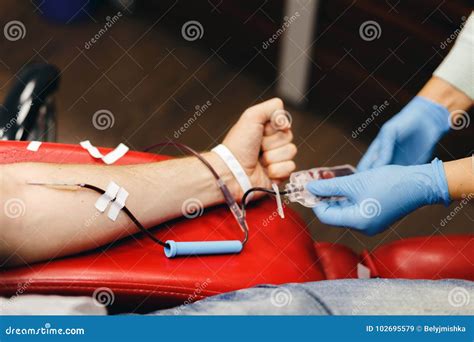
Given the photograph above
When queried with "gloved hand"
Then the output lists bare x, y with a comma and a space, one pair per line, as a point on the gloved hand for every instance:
409, 137
376, 198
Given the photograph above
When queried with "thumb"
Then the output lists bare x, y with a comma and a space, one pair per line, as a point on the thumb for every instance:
262, 112
328, 187
370, 156
387, 146
334, 214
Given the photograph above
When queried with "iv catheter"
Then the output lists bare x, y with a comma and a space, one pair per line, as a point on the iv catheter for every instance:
173, 248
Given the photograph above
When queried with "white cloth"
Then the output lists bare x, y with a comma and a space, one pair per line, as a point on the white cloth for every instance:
458, 66
50, 305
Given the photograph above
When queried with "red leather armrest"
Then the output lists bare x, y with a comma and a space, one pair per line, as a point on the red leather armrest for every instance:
336, 261
433, 257
136, 270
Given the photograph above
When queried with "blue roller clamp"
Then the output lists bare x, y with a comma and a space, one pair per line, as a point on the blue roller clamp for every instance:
202, 247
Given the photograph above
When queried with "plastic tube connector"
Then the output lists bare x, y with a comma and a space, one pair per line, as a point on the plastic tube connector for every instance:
174, 248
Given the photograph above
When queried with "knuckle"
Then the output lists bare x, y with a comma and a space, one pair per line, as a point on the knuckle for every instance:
278, 102
292, 166
272, 171
323, 217
293, 149
248, 113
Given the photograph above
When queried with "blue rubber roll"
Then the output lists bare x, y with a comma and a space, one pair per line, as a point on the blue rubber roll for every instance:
202, 247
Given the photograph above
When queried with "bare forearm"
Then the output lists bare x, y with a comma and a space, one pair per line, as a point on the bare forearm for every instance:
445, 94
59, 222
459, 173
460, 177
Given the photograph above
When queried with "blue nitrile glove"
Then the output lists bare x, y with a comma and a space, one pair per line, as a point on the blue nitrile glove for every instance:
378, 197
409, 137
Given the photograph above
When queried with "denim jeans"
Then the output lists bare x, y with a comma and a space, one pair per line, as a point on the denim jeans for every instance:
341, 297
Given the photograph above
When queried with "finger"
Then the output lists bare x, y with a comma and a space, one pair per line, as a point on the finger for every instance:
269, 129
280, 154
370, 156
334, 214
276, 140
328, 187
280, 120
281, 170
262, 112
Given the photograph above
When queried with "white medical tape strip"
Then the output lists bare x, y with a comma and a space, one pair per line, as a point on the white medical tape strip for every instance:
110, 157
116, 154
363, 272
34, 146
93, 151
278, 199
234, 166
118, 204
109, 194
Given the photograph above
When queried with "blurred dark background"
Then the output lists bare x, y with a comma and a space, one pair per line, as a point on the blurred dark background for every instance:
144, 71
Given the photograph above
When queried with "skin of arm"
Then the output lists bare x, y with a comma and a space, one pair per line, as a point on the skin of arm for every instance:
460, 177
445, 94
459, 173
58, 222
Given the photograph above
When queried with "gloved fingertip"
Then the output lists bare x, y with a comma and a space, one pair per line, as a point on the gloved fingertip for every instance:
370, 156
320, 207
382, 161
363, 165
321, 187
312, 187
323, 214
385, 154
